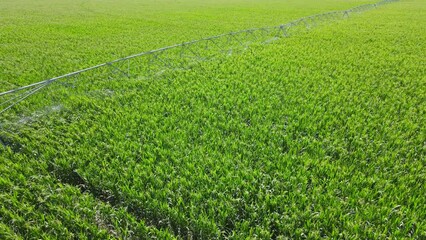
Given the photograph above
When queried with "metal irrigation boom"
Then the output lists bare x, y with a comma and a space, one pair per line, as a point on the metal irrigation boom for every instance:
231, 37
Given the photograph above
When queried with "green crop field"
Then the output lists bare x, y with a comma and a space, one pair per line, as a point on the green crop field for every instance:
46, 38
321, 134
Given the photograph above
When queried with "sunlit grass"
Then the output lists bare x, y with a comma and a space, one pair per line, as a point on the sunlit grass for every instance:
320, 135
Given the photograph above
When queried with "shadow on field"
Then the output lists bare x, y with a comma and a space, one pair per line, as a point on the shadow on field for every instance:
9, 142
157, 218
